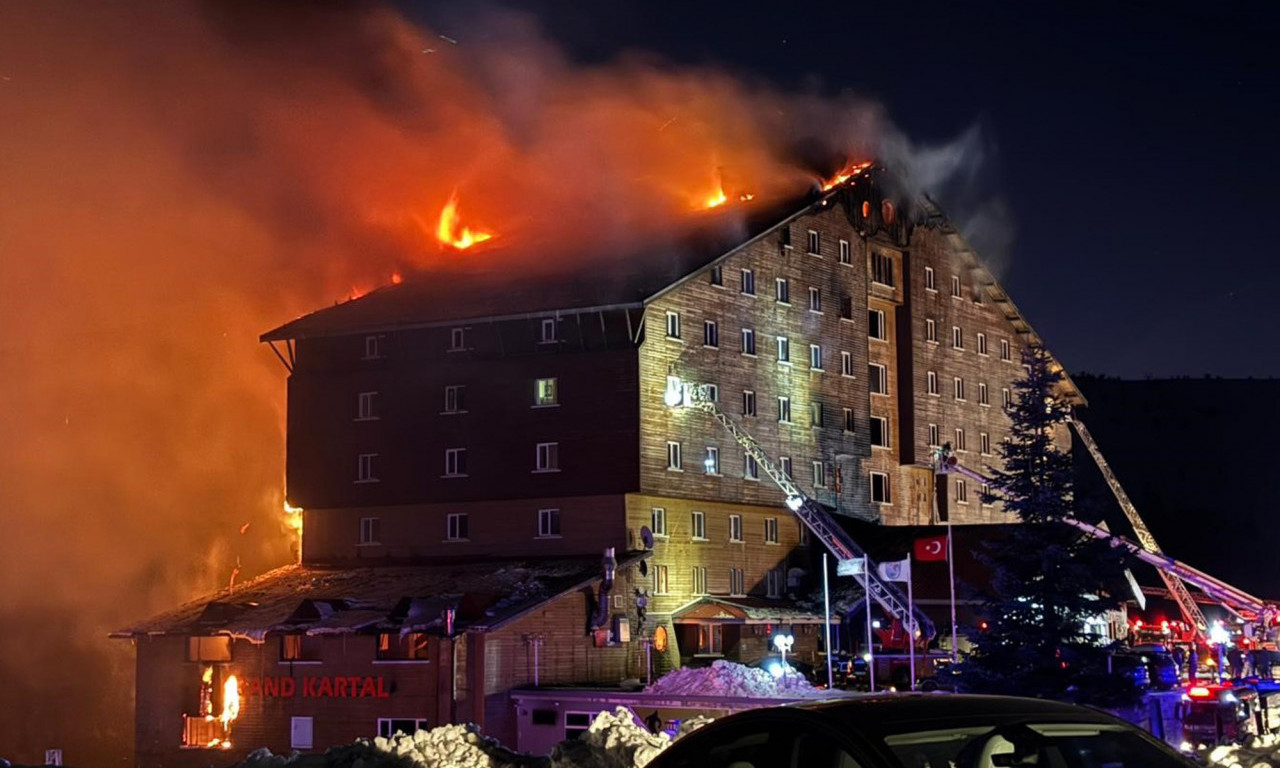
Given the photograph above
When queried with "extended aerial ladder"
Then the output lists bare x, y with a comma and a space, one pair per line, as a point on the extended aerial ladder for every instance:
851, 559
1175, 574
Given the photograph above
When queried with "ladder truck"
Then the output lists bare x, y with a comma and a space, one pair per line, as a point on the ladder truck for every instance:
851, 559
1175, 574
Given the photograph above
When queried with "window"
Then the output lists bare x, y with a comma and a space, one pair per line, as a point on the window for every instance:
785, 463
748, 341
735, 528
660, 584
1004, 349
849, 422
819, 475
301, 648
815, 243
711, 638
782, 288
411, 646
1006, 399
880, 488
845, 256
984, 443
673, 457
699, 580
658, 521
698, 525
548, 523
984, 495
457, 339
846, 307
771, 530
959, 444
879, 376
773, 583
815, 357
717, 276
364, 468
982, 394
784, 410
456, 527
957, 386
547, 457
389, 726
372, 347
749, 282
962, 492
955, 286
784, 349
784, 237
931, 331
713, 392
455, 398
933, 435
549, 334
364, 406
957, 337
455, 462
748, 403
982, 343
875, 324
879, 432
815, 414
546, 392
301, 732
576, 724
750, 469
710, 333
815, 299
209, 648
673, 325
370, 531
933, 383
929, 282
882, 268
711, 463
737, 584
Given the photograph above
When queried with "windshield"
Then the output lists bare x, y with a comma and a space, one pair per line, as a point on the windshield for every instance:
1031, 745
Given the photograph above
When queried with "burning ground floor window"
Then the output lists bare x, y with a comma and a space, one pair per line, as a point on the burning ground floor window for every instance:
411, 646
217, 706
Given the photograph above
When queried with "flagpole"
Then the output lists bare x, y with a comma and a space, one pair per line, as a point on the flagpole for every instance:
951, 572
826, 624
911, 625
866, 589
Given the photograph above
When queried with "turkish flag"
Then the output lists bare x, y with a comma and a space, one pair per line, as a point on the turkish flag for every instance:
932, 548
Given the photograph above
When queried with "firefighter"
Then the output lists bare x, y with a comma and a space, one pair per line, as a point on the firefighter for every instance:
1235, 658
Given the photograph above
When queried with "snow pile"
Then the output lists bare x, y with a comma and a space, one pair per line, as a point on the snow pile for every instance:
613, 741
725, 678
1259, 753
452, 746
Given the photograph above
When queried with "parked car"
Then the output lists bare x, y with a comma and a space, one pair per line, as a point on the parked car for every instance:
1161, 667
920, 731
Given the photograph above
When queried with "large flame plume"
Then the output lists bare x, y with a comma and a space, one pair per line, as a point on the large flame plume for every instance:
451, 232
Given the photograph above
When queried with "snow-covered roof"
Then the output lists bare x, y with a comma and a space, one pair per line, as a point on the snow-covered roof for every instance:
317, 601
746, 610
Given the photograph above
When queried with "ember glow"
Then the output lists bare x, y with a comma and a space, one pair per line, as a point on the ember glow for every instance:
452, 233
846, 173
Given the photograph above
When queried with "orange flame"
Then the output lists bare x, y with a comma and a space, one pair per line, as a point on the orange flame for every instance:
451, 233
293, 521
230, 704
846, 173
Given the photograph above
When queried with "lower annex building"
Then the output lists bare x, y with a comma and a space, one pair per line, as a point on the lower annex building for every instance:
496, 495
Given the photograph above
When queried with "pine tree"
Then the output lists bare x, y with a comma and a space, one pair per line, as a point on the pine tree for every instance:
1049, 578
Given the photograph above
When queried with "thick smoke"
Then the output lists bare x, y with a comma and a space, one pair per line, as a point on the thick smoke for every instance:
176, 178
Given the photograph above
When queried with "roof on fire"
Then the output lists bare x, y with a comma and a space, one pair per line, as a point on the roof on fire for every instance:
316, 601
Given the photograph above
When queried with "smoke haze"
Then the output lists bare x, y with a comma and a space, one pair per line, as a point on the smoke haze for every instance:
178, 177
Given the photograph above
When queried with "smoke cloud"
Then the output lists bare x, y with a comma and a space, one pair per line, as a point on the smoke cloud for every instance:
178, 177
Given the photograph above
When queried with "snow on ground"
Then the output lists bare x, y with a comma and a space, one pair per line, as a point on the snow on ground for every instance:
1262, 752
725, 678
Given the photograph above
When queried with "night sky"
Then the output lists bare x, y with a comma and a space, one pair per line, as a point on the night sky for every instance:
1131, 146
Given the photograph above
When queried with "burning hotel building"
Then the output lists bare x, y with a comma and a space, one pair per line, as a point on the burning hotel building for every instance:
496, 496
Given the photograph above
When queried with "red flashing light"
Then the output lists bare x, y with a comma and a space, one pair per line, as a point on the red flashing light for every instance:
1137, 623
1199, 692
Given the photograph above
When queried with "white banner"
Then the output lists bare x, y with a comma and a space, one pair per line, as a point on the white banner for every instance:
854, 567
896, 570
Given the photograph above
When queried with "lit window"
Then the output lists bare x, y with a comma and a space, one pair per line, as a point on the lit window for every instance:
658, 521
880, 488
815, 243
962, 492
370, 531
372, 347
549, 331
717, 276
548, 523
673, 325
547, 457
933, 382
882, 268
850, 423
771, 530
660, 585
673, 456
457, 339
457, 527
819, 475
364, 406
958, 388
845, 255
711, 464
698, 525
846, 364
749, 282
982, 394
735, 528
301, 648
748, 403
750, 469
879, 432
957, 337
784, 349
931, 331
955, 286
209, 648
364, 468
455, 462
546, 392
748, 341
710, 333
982, 343
815, 299
929, 283
784, 409
782, 289
815, 357
699, 580
879, 377
815, 414
455, 398
933, 435
875, 325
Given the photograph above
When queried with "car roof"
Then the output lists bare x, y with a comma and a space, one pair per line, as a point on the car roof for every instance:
898, 711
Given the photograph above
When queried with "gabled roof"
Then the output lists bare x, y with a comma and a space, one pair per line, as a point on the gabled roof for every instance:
746, 610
